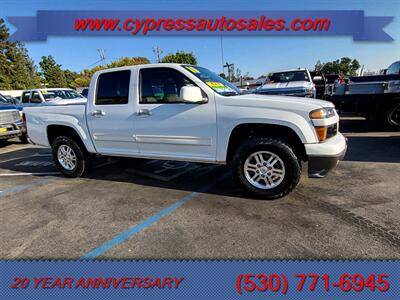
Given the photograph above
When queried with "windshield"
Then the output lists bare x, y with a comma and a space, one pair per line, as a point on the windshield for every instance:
60, 94
288, 76
3, 100
217, 83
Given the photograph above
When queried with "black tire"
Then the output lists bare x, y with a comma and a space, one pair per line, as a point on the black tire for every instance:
82, 157
24, 139
281, 149
389, 117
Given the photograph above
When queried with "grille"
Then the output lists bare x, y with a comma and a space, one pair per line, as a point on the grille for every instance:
282, 91
9, 116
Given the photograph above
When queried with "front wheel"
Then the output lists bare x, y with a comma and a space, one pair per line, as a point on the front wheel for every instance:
266, 167
24, 139
69, 157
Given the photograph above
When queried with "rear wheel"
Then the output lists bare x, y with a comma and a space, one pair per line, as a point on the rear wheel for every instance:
266, 167
69, 157
390, 117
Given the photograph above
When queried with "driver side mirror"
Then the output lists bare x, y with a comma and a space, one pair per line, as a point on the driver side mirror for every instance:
191, 94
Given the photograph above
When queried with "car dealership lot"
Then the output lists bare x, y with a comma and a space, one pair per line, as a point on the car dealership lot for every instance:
151, 209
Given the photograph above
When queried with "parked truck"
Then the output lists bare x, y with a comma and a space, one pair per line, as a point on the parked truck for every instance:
183, 112
295, 82
11, 122
376, 97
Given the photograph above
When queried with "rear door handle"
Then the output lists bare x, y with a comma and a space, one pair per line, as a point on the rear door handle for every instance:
144, 112
98, 113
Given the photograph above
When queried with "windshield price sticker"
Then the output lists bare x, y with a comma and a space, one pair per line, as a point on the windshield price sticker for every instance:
193, 70
216, 85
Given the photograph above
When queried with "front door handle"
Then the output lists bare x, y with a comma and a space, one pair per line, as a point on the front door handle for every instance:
98, 113
144, 112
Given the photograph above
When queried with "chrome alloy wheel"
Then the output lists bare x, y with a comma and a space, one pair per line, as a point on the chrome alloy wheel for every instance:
66, 157
264, 170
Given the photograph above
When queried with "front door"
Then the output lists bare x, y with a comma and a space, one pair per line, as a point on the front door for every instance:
165, 126
110, 114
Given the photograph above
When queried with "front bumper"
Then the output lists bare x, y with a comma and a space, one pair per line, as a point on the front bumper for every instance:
324, 157
13, 130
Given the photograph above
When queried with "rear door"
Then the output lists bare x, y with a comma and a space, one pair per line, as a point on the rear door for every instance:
110, 114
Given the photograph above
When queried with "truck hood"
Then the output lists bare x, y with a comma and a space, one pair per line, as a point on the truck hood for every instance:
277, 102
8, 107
287, 85
65, 101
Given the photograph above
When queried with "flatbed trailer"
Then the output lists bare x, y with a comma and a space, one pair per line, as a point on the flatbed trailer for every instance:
380, 109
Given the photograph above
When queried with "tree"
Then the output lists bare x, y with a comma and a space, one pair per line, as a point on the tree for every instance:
318, 66
180, 57
344, 65
70, 77
17, 70
53, 75
83, 78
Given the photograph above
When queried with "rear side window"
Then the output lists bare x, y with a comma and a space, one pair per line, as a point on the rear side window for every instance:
113, 88
25, 97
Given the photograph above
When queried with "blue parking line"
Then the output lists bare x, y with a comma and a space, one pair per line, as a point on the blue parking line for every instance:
146, 223
23, 187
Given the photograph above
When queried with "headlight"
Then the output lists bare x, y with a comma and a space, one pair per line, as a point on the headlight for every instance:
324, 132
322, 113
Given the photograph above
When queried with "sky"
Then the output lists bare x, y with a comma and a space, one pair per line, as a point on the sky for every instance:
255, 55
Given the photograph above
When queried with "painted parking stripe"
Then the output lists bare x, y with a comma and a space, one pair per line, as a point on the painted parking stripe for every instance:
30, 174
146, 223
23, 187
23, 157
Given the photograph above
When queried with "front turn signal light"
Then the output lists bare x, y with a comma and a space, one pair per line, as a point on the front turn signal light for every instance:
322, 133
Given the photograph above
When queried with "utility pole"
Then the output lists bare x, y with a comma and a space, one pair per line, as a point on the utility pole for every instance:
231, 70
157, 50
222, 55
102, 56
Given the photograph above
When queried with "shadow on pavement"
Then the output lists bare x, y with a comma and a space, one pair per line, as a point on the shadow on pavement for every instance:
373, 149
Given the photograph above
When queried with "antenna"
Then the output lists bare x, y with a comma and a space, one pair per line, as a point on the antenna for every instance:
222, 56
157, 50
102, 56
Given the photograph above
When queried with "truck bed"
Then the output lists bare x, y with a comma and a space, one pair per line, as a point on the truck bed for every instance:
68, 114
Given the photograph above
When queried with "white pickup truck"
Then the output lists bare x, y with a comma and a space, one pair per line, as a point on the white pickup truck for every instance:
183, 112
295, 82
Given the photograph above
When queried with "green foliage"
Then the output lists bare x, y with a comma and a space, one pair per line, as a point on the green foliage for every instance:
17, 70
83, 78
180, 57
70, 76
345, 65
53, 75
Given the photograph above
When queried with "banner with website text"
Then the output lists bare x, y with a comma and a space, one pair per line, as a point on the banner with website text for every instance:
201, 23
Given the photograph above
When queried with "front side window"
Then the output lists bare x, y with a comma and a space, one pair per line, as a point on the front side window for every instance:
394, 68
113, 88
161, 85
36, 96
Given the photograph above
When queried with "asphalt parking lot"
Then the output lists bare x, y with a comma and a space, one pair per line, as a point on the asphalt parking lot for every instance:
129, 209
